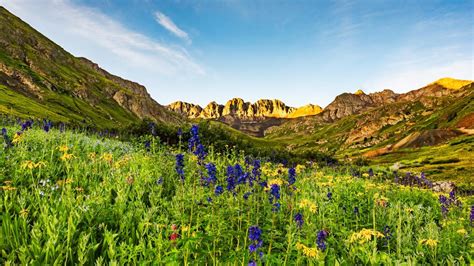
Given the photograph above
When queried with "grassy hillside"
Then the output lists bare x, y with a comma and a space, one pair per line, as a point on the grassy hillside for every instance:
356, 135
40, 79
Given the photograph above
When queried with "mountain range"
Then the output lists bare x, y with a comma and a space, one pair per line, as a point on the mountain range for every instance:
39, 79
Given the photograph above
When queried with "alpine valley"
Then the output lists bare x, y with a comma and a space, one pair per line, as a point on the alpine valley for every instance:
427, 129
96, 171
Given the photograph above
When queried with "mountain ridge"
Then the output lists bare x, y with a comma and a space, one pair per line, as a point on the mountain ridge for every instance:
237, 107
52, 83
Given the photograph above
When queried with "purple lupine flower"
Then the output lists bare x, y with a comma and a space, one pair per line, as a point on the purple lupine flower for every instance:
194, 139
471, 217
211, 172
255, 233
4, 131
239, 174
329, 195
47, 125
209, 199
452, 195
444, 210
252, 263
371, 172
180, 132
256, 170
230, 178
274, 193
276, 207
246, 195
180, 166
219, 190
299, 219
387, 234
291, 176
443, 200
147, 145
159, 181
356, 210
200, 152
322, 235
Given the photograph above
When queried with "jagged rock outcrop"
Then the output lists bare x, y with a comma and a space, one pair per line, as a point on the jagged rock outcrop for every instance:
251, 118
187, 109
238, 108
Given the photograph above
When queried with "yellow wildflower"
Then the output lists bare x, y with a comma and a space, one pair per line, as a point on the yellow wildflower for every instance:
24, 213
92, 155
63, 148
31, 165
67, 156
310, 205
364, 235
300, 168
462, 231
122, 162
275, 181
365, 175
64, 181
429, 242
28, 164
8, 188
307, 251
107, 157
380, 200
17, 138
185, 228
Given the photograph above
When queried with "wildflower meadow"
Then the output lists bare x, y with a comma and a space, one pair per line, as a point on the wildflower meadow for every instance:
71, 197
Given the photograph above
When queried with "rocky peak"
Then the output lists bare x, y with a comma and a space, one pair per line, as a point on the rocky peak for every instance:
212, 110
187, 109
236, 107
246, 111
306, 110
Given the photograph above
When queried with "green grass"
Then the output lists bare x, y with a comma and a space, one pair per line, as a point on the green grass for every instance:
451, 161
104, 204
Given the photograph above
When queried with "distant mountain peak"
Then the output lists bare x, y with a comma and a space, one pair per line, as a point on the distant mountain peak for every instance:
452, 84
239, 108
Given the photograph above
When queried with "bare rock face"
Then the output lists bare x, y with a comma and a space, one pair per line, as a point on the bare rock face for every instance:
443, 186
187, 109
251, 118
244, 111
306, 110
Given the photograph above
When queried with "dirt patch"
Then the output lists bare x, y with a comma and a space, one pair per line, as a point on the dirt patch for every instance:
427, 138
466, 122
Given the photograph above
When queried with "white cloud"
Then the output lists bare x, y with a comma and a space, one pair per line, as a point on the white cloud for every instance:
169, 25
87, 32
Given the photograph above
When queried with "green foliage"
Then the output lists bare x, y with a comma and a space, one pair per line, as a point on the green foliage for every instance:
75, 198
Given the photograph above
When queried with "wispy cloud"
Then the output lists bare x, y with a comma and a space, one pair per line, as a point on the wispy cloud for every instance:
88, 32
169, 25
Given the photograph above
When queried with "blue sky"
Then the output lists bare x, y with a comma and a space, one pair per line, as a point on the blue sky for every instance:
298, 51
